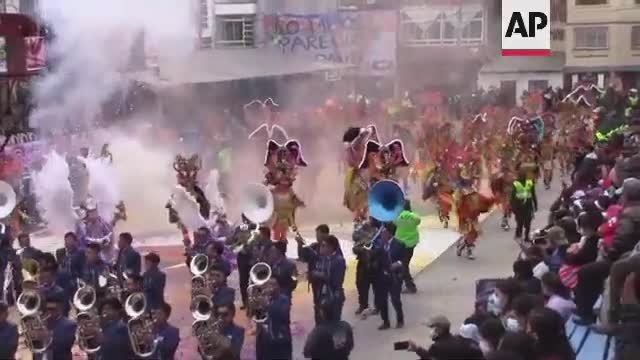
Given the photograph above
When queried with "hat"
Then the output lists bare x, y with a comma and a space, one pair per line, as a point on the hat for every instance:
470, 331
439, 321
557, 236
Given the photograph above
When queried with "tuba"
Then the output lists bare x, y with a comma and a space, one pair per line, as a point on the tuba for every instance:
257, 203
33, 325
140, 326
258, 292
386, 200
84, 300
212, 344
7, 199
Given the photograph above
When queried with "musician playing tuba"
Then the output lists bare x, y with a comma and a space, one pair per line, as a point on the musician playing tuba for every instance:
89, 333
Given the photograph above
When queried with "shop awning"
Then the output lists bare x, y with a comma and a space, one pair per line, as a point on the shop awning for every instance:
218, 65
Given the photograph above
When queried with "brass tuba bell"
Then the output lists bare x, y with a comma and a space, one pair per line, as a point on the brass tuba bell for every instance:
33, 326
140, 326
257, 203
199, 264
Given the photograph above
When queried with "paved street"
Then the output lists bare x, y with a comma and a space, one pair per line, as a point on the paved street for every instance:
445, 283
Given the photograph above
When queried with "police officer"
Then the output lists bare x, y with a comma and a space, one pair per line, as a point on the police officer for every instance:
273, 338
61, 329
226, 313
128, 261
524, 204
8, 334
408, 234
389, 253
167, 335
153, 281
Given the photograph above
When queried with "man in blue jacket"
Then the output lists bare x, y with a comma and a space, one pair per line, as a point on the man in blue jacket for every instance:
128, 261
329, 274
154, 281
167, 335
388, 254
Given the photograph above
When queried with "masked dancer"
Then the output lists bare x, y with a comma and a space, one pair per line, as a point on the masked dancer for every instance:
469, 205
282, 162
439, 187
356, 184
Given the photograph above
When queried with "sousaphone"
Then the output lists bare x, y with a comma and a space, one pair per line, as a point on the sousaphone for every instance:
7, 199
257, 203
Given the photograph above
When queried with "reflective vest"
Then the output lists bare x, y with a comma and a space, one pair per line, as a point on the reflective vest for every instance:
523, 191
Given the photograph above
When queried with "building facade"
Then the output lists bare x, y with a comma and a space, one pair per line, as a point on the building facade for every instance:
443, 44
603, 41
517, 75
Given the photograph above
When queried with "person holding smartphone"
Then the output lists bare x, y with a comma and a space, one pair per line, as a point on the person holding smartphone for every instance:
445, 345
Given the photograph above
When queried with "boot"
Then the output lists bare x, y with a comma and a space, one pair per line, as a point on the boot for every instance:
504, 224
470, 252
460, 246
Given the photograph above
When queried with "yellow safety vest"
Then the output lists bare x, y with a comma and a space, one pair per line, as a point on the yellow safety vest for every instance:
523, 191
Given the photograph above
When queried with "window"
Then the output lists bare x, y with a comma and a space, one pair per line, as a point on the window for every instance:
592, 2
234, 30
591, 37
557, 34
452, 26
204, 14
472, 31
635, 37
559, 10
538, 85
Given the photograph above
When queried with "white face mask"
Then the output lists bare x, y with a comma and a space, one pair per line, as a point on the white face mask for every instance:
512, 325
494, 304
485, 347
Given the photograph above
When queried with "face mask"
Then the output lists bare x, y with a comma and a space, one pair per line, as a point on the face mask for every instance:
484, 347
512, 325
494, 304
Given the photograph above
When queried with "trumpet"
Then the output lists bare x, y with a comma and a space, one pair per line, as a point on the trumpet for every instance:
37, 337
140, 326
84, 300
259, 293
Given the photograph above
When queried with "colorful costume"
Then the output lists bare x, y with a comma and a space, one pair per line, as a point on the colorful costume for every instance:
502, 186
382, 161
439, 185
469, 205
282, 161
356, 183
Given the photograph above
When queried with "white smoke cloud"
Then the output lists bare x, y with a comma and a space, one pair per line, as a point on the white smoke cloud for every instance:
94, 42
93, 45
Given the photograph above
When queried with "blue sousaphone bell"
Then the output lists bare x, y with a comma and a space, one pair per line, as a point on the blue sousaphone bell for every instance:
386, 201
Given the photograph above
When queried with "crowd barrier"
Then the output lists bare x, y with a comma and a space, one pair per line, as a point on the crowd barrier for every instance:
588, 344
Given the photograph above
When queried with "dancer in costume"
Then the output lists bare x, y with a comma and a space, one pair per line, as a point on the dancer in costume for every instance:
188, 206
282, 162
439, 187
92, 228
469, 205
382, 161
502, 186
356, 183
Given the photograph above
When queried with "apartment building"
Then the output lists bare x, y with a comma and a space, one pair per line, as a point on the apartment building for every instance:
443, 44
603, 41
